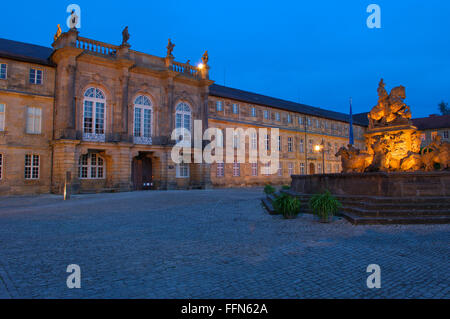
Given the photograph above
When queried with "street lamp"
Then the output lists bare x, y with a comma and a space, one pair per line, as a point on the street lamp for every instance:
318, 148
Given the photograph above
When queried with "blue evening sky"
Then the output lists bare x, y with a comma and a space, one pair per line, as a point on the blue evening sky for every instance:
317, 52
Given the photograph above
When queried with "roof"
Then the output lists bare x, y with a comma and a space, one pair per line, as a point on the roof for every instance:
254, 98
25, 52
432, 122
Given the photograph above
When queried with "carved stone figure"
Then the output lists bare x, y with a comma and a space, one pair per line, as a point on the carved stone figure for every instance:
353, 160
58, 33
413, 162
381, 157
205, 58
437, 152
170, 47
125, 36
390, 109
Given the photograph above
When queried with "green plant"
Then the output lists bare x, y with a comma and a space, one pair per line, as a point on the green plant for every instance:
287, 205
269, 189
285, 187
324, 205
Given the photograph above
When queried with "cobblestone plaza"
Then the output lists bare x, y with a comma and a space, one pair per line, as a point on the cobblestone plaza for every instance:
207, 244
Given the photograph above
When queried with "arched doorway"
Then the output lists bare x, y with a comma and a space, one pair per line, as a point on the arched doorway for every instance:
312, 169
142, 172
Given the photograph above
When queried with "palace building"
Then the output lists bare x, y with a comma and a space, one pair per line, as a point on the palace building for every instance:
101, 117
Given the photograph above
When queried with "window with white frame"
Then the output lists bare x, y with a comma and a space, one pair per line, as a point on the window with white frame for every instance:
143, 114
302, 168
300, 120
254, 141
91, 166
279, 143
280, 169
3, 71
277, 116
183, 170
220, 170
253, 111
267, 142
34, 119
219, 106
290, 169
235, 108
289, 118
31, 166
236, 169
310, 146
302, 146
289, 144
94, 114
309, 121
236, 139
183, 118
2, 116
35, 76
1, 165
266, 114
254, 169
319, 168
266, 170
317, 123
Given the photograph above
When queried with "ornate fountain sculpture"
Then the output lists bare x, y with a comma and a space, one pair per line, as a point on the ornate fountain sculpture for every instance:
393, 143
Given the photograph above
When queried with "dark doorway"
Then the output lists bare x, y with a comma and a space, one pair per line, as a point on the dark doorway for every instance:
312, 169
142, 173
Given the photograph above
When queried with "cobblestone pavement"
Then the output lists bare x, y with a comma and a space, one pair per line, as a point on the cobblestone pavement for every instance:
207, 244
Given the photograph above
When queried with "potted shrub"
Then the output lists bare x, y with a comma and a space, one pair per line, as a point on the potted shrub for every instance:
269, 189
287, 205
324, 206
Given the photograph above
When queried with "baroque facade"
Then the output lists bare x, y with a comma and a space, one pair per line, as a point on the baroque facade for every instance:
101, 116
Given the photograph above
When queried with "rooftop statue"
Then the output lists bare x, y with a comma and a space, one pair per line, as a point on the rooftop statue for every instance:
170, 47
58, 33
205, 58
125, 36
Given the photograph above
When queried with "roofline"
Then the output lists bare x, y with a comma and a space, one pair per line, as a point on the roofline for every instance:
22, 58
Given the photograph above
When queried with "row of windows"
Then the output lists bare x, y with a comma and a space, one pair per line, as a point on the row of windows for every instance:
236, 169
31, 166
33, 122
35, 76
300, 119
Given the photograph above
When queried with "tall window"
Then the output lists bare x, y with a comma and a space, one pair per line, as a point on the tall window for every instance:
289, 144
2, 117
289, 118
35, 76
266, 169
445, 134
254, 111
94, 114
91, 166
302, 168
277, 116
31, 166
267, 142
1, 165
219, 106
254, 169
254, 141
310, 146
143, 120
3, 71
34, 118
235, 139
183, 170
309, 121
300, 120
236, 169
280, 169
183, 118
266, 114
235, 108
220, 169
302, 146
290, 169
319, 168
328, 168
279, 143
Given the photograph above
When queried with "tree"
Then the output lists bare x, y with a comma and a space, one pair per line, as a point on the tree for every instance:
443, 108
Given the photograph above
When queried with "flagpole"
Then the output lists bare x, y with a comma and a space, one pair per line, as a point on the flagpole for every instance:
350, 131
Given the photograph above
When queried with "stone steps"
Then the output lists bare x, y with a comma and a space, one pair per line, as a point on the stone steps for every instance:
359, 220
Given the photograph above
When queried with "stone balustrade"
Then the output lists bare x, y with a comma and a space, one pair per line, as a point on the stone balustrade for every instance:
185, 69
96, 46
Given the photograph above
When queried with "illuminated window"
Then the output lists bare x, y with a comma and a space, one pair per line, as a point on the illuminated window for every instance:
34, 117
31, 166
91, 166
3, 71
94, 115
182, 170
142, 120
220, 169
35, 76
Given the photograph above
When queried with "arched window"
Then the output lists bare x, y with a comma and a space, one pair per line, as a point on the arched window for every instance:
183, 117
143, 114
94, 114
91, 166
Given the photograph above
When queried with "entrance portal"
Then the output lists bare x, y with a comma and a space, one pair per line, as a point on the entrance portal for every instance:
142, 173
312, 169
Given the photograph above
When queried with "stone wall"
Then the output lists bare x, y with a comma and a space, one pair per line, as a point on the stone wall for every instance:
402, 184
